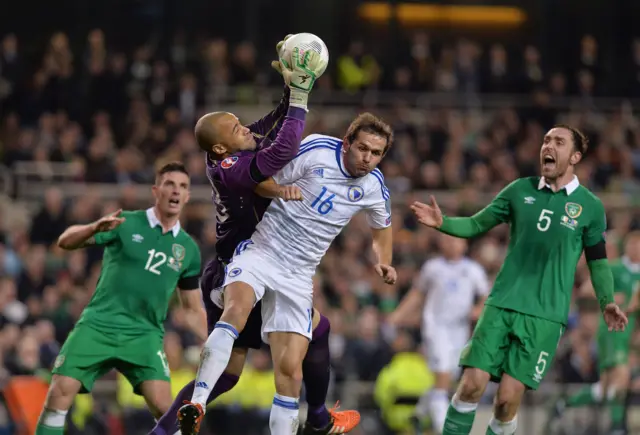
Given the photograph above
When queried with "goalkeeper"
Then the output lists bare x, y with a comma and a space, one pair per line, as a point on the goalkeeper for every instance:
235, 171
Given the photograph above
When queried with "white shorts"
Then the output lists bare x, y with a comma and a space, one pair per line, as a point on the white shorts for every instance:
443, 346
287, 297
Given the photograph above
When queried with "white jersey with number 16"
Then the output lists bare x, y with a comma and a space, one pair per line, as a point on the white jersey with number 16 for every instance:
298, 233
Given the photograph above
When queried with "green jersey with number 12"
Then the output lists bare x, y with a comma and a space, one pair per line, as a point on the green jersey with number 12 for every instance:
548, 232
141, 269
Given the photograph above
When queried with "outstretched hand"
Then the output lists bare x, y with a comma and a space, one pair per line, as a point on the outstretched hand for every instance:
615, 318
429, 215
108, 222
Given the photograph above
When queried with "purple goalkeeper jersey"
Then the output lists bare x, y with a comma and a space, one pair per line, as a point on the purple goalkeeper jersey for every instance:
233, 180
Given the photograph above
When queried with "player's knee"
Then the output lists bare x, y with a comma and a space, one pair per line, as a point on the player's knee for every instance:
239, 300
236, 313
507, 400
62, 392
472, 385
288, 376
619, 378
159, 406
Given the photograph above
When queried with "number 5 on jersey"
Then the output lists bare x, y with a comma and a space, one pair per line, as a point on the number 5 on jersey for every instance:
326, 205
544, 221
159, 257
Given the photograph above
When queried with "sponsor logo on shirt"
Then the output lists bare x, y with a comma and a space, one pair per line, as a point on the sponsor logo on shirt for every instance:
235, 272
529, 200
137, 238
228, 162
319, 172
573, 210
568, 222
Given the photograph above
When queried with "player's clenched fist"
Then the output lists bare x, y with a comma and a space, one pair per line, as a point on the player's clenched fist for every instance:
290, 193
108, 222
429, 215
387, 273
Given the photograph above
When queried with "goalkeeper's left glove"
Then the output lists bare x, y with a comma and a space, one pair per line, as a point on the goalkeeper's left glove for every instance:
276, 64
301, 77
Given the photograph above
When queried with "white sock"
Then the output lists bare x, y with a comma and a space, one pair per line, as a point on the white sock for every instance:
423, 406
215, 357
53, 418
596, 391
438, 406
284, 415
462, 407
503, 427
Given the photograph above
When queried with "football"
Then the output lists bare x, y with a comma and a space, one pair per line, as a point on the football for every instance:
304, 42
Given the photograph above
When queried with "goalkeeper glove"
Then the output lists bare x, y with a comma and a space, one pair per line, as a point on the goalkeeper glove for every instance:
276, 64
301, 75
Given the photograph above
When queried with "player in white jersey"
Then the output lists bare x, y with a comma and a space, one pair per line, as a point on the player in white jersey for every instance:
337, 178
451, 289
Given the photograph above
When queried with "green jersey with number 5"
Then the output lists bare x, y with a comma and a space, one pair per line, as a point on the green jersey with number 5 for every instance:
141, 269
548, 232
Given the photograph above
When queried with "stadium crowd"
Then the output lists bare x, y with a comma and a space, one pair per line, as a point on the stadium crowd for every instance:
112, 115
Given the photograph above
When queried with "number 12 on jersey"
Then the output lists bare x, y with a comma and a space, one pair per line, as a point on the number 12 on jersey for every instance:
326, 205
160, 258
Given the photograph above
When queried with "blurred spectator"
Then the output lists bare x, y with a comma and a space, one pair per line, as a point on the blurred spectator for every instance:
357, 69
51, 221
401, 383
368, 353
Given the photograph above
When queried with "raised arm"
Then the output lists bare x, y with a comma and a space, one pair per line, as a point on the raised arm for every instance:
268, 161
102, 231
497, 212
467, 227
272, 122
242, 173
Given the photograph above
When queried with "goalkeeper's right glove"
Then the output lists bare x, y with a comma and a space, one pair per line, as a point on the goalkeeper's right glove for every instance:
301, 75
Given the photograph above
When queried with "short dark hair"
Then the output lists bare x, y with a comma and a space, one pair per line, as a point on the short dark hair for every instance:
369, 123
580, 140
171, 167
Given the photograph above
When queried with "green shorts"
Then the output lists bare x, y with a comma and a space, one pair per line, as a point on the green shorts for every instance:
614, 347
88, 354
520, 345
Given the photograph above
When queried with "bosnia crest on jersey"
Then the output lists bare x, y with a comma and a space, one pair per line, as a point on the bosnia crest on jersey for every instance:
573, 210
355, 193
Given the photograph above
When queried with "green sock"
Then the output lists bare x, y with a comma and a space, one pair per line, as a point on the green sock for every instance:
51, 422
490, 432
617, 413
46, 430
583, 397
458, 423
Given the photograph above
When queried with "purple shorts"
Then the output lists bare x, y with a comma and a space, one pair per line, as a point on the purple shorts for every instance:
212, 278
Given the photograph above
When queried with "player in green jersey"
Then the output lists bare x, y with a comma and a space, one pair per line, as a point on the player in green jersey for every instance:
613, 348
146, 257
552, 220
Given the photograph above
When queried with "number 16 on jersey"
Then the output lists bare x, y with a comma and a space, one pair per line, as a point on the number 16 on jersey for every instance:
323, 205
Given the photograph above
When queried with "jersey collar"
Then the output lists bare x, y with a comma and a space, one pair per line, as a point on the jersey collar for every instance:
570, 187
633, 267
339, 159
154, 222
